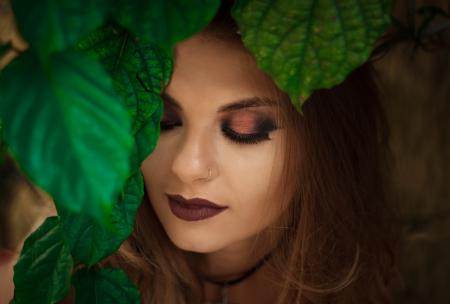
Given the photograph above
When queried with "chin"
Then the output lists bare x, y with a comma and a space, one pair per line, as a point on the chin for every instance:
195, 244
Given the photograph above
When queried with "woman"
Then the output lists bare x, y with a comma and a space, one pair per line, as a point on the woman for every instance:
249, 201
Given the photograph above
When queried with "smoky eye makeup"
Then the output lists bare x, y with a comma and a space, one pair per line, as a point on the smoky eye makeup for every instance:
248, 127
170, 119
241, 126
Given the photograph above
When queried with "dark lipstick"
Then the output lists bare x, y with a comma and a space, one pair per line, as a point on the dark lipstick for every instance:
193, 209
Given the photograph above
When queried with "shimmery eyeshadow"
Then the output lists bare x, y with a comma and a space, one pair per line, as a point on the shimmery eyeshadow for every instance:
247, 122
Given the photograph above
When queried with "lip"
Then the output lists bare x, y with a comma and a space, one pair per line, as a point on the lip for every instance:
193, 209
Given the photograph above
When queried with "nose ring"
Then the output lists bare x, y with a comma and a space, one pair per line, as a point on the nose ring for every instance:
209, 173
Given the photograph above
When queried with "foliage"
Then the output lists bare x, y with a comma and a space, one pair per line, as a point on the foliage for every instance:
44, 267
89, 242
52, 25
90, 111
318, 43
107, 286
50, 130
167, 21
120, 52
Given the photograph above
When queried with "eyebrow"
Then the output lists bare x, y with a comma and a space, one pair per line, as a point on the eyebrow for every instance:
249, 102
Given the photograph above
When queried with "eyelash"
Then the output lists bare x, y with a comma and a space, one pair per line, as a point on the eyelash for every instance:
248, 139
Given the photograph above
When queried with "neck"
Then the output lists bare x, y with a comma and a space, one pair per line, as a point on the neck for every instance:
229, 262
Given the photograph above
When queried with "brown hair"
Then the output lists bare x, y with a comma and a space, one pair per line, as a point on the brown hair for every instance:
339, 241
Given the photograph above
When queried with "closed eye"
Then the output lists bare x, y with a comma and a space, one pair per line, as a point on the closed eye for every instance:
247, 138
239, 126
167, 125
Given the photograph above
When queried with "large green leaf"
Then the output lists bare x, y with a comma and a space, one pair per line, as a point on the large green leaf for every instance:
42, 274
89, 242
54, 25
310, 44
68, 129
106, 286
140, 70
165, 22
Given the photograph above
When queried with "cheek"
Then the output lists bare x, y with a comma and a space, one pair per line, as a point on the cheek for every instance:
254, 177
260, 199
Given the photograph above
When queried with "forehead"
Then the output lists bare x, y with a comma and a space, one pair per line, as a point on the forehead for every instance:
210, 69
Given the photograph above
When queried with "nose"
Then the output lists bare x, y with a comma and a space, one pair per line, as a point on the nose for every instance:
194, 159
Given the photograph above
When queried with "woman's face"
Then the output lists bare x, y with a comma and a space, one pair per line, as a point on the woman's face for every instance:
220, 142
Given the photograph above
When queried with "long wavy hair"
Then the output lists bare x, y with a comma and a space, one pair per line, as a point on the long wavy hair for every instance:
338, 238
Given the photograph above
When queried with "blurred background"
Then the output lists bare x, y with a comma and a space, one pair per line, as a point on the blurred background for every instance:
415, 86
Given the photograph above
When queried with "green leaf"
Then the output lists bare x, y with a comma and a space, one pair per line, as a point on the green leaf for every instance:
140, 70
106, 286
89, 242
54, 25
146, 137
310, 44
42, 274
165, 22
68, 130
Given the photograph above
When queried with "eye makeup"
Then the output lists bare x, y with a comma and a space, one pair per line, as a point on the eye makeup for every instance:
167, 125
248, 127
171, 118
243, 126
